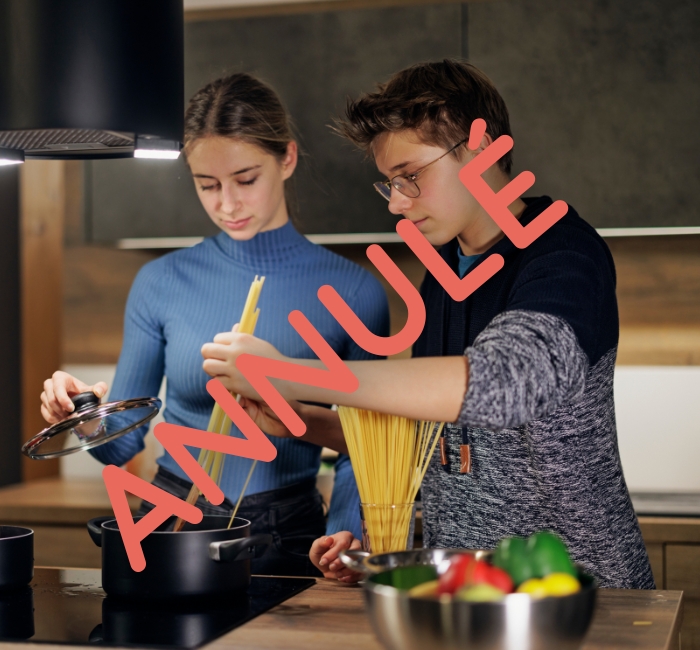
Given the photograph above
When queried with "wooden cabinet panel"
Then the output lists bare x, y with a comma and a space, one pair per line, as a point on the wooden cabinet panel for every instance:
683, 573
656, 559
683, 568
690, 629
43, 206
65, 546
670, 530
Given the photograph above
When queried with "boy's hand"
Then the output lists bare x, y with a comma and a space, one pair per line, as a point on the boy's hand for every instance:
324, 556
266, 418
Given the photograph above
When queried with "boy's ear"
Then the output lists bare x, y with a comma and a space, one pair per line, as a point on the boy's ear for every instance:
486, 140
289, 162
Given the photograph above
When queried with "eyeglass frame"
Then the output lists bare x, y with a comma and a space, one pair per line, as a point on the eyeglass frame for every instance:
410, 177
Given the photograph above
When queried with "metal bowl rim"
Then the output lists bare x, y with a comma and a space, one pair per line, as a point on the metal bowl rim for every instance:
394, 592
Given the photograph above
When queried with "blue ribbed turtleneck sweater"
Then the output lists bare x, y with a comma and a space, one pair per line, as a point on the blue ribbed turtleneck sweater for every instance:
182, 300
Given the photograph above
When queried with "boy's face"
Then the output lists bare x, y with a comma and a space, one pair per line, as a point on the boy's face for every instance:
445, 208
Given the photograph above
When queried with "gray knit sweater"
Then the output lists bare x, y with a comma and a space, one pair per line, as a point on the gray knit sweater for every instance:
538, 413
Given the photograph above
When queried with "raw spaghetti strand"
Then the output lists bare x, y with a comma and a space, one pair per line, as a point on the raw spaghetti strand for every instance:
213, 462
390, 456
240, 496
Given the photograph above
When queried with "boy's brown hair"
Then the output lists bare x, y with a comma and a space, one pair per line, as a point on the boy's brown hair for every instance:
439, 100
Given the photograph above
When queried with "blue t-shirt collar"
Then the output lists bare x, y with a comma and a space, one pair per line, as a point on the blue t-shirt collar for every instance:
465, 261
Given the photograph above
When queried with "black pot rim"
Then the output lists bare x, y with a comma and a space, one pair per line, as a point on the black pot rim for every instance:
27, 532
111, 524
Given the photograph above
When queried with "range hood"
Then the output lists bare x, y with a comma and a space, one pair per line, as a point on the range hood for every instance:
87, 79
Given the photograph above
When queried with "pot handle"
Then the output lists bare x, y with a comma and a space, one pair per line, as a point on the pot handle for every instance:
94, 527
355, 561
245, 548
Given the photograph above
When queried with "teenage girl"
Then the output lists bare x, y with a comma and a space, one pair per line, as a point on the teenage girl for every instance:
240, 150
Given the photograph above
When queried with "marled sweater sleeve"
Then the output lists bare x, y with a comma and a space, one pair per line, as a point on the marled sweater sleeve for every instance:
533, 357
522, 367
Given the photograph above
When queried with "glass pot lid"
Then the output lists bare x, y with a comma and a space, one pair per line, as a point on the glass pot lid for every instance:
91, 424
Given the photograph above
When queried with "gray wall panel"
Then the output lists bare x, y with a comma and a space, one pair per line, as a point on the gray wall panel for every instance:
314, 61
604, 98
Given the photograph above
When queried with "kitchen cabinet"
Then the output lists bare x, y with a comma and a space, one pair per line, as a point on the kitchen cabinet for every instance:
573, 77
682, 571
673, 544
570, 83
314, 60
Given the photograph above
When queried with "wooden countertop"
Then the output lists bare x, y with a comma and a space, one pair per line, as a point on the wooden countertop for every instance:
330, 615
60, 501
57, 501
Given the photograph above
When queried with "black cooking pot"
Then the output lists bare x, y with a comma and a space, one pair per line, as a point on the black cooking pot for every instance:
16, 557
204, 559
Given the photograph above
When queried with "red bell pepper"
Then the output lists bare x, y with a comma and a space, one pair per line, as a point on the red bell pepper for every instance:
464, 570
455, 575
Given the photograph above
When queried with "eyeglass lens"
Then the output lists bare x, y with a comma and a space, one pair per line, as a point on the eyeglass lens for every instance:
406, 187
403, 185
383, 189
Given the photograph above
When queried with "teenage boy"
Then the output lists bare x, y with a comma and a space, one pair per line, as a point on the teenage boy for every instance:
523, 367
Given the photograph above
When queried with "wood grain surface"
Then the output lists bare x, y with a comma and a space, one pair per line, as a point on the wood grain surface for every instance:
54, 501
658, 291
683, 572
331, 615
282, 8
42, 212
57, 511
664, 530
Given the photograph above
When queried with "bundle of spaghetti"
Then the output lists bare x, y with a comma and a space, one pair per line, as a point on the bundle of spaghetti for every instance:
390, 456
211, 461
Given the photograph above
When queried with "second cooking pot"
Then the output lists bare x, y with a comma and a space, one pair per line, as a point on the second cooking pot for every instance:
16, 557
204, 559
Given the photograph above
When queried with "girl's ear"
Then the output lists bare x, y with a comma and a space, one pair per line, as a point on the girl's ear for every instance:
289, 162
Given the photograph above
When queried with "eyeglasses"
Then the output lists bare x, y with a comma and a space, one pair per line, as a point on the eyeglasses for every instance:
406, 184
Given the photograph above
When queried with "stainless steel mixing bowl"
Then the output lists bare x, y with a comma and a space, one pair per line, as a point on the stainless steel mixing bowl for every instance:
519, 622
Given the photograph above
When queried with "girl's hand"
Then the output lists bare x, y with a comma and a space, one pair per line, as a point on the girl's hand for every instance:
324, 556
221, 355
265, 417
56, 402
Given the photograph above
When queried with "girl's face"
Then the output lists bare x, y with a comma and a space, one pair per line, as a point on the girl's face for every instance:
445, 209
241, 186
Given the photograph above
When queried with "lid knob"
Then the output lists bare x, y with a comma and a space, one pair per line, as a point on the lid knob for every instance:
84, 401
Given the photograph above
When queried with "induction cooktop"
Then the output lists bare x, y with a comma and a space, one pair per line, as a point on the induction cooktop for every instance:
68, 606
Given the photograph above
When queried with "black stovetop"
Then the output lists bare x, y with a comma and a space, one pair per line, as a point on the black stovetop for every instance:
69, 606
